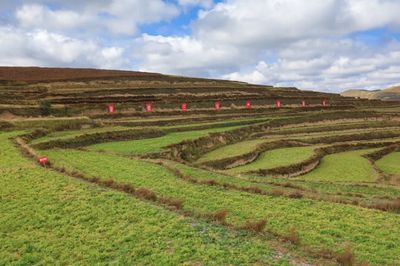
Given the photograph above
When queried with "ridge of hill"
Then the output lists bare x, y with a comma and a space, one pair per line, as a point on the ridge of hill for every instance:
77, 92
389, 94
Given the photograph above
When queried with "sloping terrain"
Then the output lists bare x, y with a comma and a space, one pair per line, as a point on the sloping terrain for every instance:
73, 92
389, 94
266, 185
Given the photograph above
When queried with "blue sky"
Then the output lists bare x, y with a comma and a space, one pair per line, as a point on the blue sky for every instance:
329, 45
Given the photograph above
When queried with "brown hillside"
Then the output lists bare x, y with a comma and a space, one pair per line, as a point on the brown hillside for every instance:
36, 74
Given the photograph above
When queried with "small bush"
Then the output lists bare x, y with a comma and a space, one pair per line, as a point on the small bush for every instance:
45, 107
277, 192
292, 236
219, 215
146, 193
345, 258
296, 195
254, 226
174, 202
253, 190
128, 188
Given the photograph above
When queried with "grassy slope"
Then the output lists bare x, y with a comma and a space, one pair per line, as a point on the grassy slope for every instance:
154, 144
276, 158
343, 167
231, 150
47, 218
390, 163
373, 234
66, 134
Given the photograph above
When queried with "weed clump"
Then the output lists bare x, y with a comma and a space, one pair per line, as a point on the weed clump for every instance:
292, 236
254, 225
174, 202
219, 216
146, 194
346, 257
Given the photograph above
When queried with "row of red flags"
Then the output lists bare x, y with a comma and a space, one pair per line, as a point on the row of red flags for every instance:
217, 105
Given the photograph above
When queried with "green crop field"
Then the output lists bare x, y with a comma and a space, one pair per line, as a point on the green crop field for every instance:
276, 158
313, 185
344, 167
390, 163
135, 147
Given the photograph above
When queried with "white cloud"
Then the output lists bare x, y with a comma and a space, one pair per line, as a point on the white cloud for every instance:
116, 16
203, 3
43, 48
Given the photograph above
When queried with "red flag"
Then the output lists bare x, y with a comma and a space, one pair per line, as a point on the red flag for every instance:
183, 106
217, 105
248, 104
278, 103
149, 107
111, 108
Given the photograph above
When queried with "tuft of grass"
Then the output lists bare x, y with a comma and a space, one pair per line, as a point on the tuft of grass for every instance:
219, 216
174, 202
292, 236
146, 194
346, 257
256, 226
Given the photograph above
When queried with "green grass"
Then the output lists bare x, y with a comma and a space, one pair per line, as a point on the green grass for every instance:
50, 122
151, 145
276, 158
50, 219
374, 235
74, 133
390, 163
344, 167
232, 150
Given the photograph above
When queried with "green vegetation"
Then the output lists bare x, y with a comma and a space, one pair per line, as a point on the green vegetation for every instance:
191, 197
144, 146
390, 163
48, 218
344, 167
66, 134
45, 107
276, 158
372, 234
235, 149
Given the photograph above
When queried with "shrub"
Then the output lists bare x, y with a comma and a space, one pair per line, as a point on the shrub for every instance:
346, 257
45, 107
174, 202
219, 215
292, 236
296, 195
146, 193
254, 226
277, 192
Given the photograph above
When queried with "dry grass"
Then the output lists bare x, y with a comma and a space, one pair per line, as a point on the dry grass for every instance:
174, 202
256, 226
146, 194
292, 236
219, 216
346, 257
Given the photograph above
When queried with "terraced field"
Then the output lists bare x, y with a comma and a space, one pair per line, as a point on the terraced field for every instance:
234, 186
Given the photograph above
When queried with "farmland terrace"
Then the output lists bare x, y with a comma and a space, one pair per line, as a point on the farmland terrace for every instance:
260, 184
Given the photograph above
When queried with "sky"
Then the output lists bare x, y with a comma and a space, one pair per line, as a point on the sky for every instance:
324, 45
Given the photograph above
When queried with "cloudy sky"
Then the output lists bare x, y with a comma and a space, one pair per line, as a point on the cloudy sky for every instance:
327, 45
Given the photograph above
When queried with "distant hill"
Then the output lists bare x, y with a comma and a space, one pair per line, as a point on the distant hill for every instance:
389, 94
82, 91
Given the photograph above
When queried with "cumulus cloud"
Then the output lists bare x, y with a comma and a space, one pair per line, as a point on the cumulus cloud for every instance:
116, 16
49, 49
311, 44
